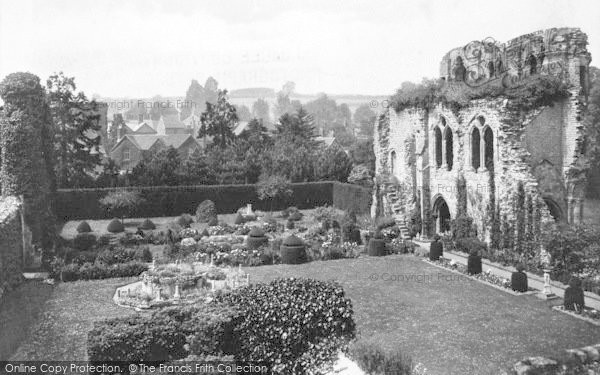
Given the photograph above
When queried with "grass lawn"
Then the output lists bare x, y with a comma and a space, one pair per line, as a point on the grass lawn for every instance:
452, 326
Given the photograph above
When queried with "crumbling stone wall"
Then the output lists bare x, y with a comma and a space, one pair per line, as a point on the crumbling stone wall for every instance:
537, 146
11, 244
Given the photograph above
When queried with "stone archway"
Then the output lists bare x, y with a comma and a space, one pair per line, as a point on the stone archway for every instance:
554, 209
441, 215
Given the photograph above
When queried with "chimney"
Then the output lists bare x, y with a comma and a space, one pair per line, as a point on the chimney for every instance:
118, 132
140, 118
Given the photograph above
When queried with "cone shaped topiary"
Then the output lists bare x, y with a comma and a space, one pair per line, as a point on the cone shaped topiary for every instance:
518, 281
574, 299
239, 219
376, 247
84, 227
147, 225
293, 250
115, 226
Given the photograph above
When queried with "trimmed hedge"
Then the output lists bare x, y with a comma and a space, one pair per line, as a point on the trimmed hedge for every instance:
293, 251
84, 227
74, 204
96, 271
350, 197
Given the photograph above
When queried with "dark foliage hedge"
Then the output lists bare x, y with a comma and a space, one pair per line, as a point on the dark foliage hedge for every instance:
350, 197
73, 204
96, 271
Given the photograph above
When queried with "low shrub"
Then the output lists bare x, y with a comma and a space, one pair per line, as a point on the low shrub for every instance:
518, 280
351, 233
206, 211
213, 222
256, 238
82, 257
470, 244
298, 324
147, 225
185, 220
115, 226
84, 241
94, 271
83, 227
373, 360
436, 250
290, 224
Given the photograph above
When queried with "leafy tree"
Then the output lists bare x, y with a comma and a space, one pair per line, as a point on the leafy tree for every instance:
297, 128
219, 120
243, 113
362, 153
110, 174
364, 118
256, 134
285, 105
195, 170
76, 128
325, 113
260, 110
158, 169
113, 132
273, 187
332, 164
195, 100
225, 165
122, 202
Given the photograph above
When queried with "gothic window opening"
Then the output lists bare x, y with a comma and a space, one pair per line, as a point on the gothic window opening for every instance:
488, 138
449, 149
438, 146
475, 149
393, 163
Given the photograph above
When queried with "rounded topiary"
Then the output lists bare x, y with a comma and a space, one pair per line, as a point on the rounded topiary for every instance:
290, 224
474, 263
296, 216
293, 250
84, 241
436, 249
205, 233
206, 211
239, 219
185, 220
574, 298
350, 233
147, 225
376, 246
84, 227
256, 238
518, 280
213, 222
115, 226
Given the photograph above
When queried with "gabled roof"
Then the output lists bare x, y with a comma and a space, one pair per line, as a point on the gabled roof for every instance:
145, 142
328, 141
144, 128
240, 127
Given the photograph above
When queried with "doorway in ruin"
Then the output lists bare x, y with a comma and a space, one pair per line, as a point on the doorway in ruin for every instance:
441, 215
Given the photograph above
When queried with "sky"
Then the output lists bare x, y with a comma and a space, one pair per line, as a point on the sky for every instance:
156, 47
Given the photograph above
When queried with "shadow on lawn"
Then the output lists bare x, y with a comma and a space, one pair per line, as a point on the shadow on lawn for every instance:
19, 310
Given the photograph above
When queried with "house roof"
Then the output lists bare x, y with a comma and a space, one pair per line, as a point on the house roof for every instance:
172, 121
240, 127
146, 141
145, 128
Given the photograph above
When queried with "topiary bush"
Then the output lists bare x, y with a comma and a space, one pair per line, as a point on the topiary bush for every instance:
376, 245
574, 297
213, 222
96, 271
185, 220
256, 238
470, 244
293, 250
115, 226
518, 279
147, 225
84, 241
296, 216
239, 219
474, 263
290, 224
206, 211
83, 227
299, 325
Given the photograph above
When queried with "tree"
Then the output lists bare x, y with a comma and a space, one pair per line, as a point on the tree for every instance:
297, 128
324, 111
158, 169
110, 174
122, 202
260, 110
243, 112
362, 153
332, 164
219, 120
272, 187
364, 118
225, 165
76, 131
195, 170
285, 105
113, 132
195, 100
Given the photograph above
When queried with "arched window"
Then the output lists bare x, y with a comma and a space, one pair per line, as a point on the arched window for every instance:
475, 144
449, 150
488, 138
393, 163
438, 146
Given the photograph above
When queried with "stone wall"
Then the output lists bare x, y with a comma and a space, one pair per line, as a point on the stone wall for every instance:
11, 243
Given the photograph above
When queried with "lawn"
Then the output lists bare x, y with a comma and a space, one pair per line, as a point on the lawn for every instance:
453, 326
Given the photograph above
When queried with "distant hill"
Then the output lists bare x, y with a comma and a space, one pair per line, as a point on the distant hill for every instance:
252, 92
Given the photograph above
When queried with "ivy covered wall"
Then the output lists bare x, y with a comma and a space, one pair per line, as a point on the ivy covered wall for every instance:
11, 242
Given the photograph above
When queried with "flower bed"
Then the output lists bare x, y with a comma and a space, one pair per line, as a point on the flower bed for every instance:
587, 314
486, 277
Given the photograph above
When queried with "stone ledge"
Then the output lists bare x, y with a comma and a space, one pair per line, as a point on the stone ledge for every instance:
541, 365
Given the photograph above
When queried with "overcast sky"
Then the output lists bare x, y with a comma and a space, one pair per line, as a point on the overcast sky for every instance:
144, 48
